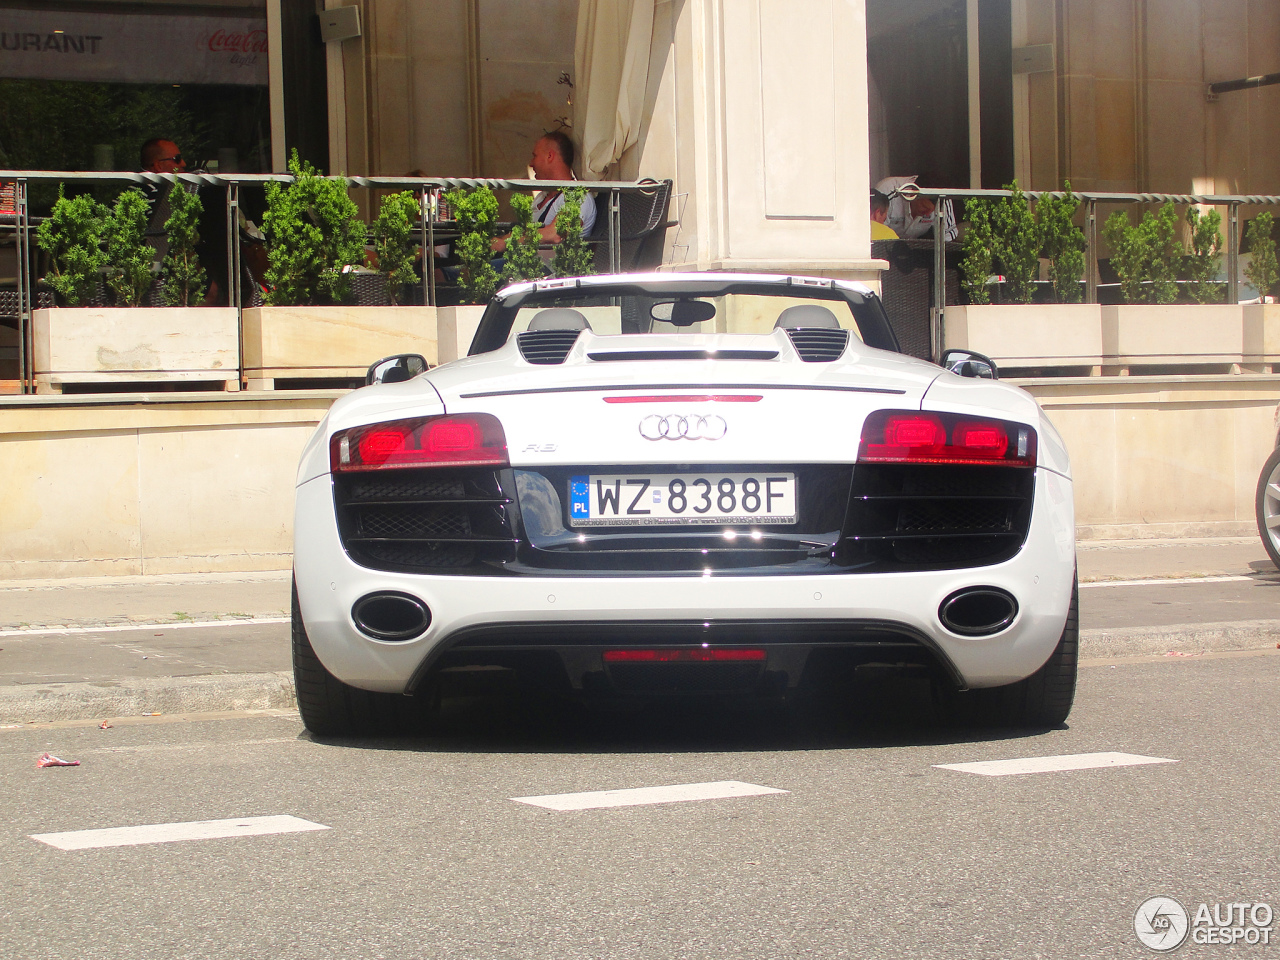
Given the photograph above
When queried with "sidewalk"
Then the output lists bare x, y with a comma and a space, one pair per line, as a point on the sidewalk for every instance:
88, 648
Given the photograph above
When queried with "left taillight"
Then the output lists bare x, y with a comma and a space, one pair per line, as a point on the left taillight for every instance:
460, 440
916, 436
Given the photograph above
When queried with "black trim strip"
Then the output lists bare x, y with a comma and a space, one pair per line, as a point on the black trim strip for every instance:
559, 634
632, 387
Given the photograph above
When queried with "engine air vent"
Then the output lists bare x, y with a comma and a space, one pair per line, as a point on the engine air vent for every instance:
817, 344
546, 346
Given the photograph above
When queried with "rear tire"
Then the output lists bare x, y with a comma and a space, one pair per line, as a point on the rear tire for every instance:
1043, 699
331, 708
1267, 506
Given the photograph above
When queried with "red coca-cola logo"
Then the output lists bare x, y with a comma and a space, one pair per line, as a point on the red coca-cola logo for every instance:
255, 41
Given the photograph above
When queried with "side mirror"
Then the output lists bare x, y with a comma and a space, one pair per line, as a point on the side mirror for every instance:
967, 363
397, 369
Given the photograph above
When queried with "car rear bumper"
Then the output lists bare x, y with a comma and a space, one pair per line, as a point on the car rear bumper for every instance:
788, 616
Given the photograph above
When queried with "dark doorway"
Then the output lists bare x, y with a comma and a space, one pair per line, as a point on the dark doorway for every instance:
918, 64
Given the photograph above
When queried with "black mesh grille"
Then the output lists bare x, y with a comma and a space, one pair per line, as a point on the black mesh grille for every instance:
404, 524
818, 344
546, 346
932, 516
409, 488
454, 520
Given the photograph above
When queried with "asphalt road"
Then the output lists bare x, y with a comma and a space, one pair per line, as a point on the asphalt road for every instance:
872, 851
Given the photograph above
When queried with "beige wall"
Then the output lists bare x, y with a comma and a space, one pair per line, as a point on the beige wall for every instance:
1133, 113
454, 88
97, 486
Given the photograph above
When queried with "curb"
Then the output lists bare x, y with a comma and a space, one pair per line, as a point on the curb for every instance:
1179, 638
48, 702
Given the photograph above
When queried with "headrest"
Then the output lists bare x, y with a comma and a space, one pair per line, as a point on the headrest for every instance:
559, 318
806, 316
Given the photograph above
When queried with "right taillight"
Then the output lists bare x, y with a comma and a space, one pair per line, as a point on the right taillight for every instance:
916, 436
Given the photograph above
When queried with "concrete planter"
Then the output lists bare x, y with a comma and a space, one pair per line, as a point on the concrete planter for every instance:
134, 345
331, 342
1261, 337
1172, 335
1029, 335
456, 327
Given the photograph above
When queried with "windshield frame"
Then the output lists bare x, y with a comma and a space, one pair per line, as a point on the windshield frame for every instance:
866, 308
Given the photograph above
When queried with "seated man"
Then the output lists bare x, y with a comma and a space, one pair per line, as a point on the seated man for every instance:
552, 159
879, 212
159, 156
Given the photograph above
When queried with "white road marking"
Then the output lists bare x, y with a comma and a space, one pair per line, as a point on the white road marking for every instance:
1074, 761
126, 627
1167, 581
641, 796
171, 832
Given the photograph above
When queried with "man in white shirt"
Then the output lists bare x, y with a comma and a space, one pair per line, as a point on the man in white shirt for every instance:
552, 159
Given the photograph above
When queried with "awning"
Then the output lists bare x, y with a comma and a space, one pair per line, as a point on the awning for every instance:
132, 48
611, 65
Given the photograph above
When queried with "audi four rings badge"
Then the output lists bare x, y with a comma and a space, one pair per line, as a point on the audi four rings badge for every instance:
676, 427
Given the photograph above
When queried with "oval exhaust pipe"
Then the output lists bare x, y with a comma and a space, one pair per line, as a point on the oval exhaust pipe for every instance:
391, 616
978, 611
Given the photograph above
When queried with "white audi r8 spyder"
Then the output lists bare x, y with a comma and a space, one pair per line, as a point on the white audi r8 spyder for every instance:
684, 483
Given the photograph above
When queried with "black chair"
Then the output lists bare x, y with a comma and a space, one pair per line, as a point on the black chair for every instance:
906, 289
642, 228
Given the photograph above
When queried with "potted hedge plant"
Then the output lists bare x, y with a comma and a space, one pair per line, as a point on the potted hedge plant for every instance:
1149, 328
1262, 319
307, 330
126, 342
393, 243
1025, 336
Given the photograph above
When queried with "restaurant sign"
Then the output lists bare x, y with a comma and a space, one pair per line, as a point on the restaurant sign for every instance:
132, 48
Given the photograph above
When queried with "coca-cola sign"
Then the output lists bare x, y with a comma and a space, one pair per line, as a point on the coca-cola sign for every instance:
223, 41
56, 45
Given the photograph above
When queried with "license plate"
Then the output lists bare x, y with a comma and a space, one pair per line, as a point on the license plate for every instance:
620, 500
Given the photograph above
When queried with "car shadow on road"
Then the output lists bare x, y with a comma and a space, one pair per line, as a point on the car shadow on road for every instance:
886, 712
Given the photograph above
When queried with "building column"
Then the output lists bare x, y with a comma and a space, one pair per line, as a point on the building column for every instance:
760, 118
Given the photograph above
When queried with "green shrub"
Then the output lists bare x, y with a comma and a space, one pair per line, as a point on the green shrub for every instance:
523, 260
129, 257
1064, 243
394, 244
476, 212
315, 236
1145, 256
1016, 243
184, 277
572, 256
1201, 265
72, 237
976, 247
1262, 270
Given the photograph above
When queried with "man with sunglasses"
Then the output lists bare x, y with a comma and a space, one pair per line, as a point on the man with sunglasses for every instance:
159, 156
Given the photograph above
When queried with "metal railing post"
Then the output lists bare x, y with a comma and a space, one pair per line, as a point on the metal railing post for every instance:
938, 312
615, 231
428, 247
1233, 253
234, 297
1091, 252
26, 288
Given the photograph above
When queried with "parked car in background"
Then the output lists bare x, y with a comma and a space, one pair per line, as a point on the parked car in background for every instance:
684, 483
